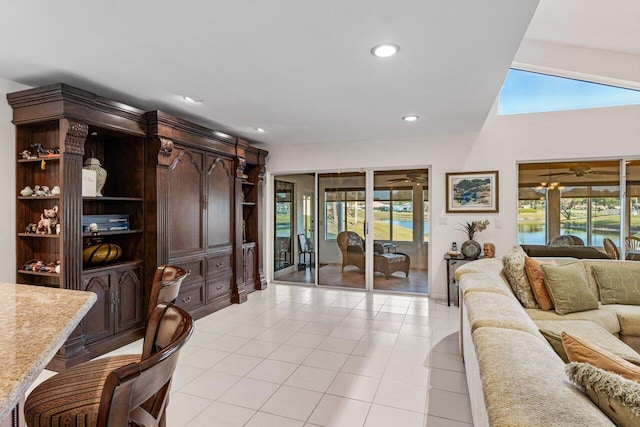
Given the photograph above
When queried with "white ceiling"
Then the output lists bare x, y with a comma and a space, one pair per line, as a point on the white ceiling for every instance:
300, 69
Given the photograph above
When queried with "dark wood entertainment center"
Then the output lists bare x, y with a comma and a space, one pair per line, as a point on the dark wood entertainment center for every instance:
192, 197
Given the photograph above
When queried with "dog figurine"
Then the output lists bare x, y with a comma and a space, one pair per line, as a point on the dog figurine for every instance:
48, 221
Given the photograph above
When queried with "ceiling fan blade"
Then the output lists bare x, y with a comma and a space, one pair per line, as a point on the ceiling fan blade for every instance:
398, 180
602, 173
557, 174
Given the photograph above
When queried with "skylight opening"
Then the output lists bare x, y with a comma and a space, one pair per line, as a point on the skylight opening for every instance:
526, 92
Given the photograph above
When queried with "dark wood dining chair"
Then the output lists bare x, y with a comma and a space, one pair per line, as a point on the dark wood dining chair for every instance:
166, 286
111, 395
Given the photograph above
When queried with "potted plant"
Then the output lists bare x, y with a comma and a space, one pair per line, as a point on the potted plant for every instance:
471, 248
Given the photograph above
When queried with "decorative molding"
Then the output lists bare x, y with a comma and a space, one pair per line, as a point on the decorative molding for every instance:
166, 147
76, 135
242, 162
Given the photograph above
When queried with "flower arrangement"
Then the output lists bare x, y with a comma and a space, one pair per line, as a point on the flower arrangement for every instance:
474, 227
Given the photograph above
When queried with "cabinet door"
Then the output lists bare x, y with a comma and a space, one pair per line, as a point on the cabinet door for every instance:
220, 208
98, 323
186, 199
249, 253
128, 313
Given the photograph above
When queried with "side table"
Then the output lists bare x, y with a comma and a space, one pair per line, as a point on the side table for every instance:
453, 262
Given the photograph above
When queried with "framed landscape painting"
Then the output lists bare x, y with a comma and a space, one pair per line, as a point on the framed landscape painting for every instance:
472, 192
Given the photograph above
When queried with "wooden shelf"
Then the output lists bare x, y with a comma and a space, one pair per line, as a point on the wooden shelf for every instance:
39, 273
38, 197
112, 199
39, 159
99, 268
248, 183
248, 204
39, 236
113, 233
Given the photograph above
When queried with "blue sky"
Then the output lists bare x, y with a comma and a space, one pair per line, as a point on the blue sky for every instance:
526, 92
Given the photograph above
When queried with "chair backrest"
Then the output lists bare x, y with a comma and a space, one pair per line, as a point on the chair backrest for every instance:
349, 238
138, 392
566, 240
632, 243
611, 248
166, 286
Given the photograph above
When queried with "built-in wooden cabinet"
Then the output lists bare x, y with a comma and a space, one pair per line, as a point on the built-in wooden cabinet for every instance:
73, 125
202, 199
192, 197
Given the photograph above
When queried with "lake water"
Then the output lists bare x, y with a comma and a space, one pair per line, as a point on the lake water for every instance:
532, 235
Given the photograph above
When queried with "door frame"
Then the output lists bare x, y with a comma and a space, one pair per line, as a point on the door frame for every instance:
369, 240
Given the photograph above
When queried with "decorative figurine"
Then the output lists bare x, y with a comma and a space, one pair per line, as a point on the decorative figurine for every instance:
26, 191
55, 191
31, 228
48, 221
489, 250
26, 154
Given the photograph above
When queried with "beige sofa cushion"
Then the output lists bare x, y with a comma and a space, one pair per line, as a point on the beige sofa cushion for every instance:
552, 330
491, 309
484, 282
618, 284
617, 397
628, 316
605, 318
568, 287
513, 263
524, 383
491, 266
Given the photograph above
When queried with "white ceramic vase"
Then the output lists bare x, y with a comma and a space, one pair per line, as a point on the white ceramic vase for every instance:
101, 174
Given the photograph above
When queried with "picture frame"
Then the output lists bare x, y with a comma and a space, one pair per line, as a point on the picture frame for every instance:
469, 192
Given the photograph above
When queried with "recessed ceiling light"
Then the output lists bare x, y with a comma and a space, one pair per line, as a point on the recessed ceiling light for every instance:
260, 130
385, 50
410, 118
192, 99
222, 134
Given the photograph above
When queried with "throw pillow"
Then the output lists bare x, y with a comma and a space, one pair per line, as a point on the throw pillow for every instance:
513, 263
568, 287
536, 278
581, 350
615, 396
596, 334
618, 284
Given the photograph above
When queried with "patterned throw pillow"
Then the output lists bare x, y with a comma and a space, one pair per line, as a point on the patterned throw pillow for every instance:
536, 278
617, 397
618, 284
568, 287
513, 263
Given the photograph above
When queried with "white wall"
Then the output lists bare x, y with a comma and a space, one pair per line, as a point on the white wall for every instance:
502, 142
8, 188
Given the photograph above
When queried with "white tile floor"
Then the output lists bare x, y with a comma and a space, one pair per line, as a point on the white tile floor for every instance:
299, 356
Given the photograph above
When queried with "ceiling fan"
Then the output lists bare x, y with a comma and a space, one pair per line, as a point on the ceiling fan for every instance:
414, 177
579, 170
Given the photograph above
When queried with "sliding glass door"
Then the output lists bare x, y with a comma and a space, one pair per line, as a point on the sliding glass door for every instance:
294, 233
341, 229
372, 229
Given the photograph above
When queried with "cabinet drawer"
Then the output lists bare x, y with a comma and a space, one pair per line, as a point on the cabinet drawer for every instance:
196, 267
191, 296
218, 264
219, 285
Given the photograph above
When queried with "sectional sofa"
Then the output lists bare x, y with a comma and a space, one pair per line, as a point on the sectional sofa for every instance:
515, 377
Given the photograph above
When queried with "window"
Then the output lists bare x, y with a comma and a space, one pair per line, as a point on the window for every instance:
527, 92
591, 213
393, 214
532, 216
344, 210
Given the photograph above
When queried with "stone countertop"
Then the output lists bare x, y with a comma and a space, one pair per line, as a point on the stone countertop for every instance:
34, 322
